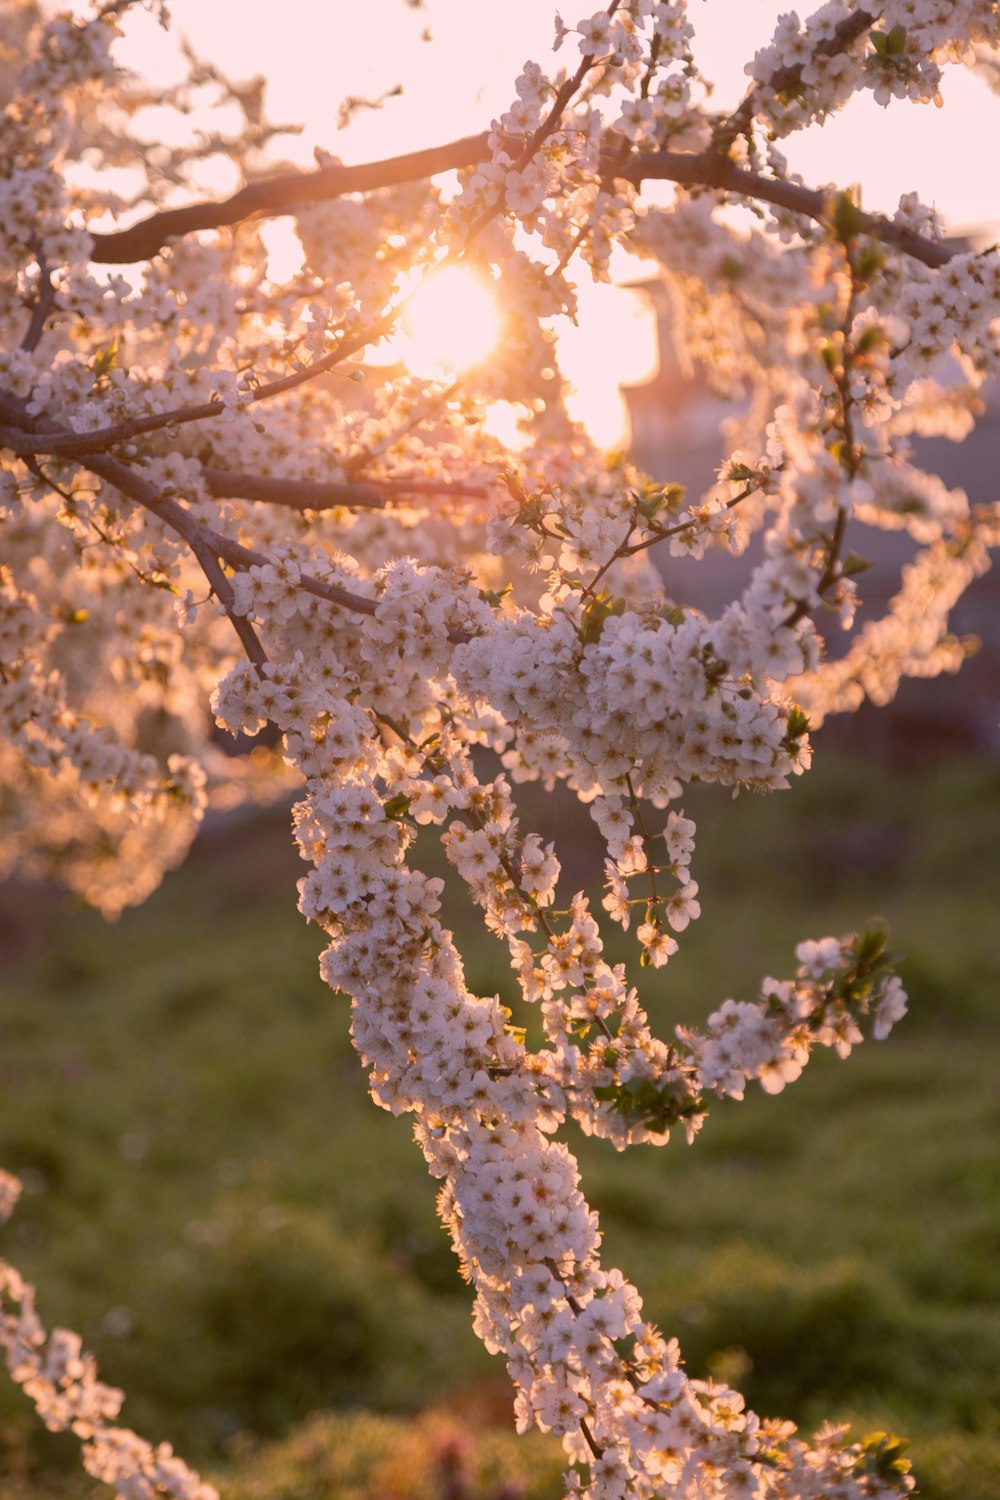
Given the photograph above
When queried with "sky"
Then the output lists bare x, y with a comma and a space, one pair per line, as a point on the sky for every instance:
314, 53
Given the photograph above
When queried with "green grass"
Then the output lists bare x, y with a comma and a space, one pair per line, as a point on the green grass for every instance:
250, 1246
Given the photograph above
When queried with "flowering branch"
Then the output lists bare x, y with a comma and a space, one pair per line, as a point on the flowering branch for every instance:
280, 194
61, 1378
787, 80
707, 169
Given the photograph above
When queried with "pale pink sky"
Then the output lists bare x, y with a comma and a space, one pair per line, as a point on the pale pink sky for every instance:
315, 52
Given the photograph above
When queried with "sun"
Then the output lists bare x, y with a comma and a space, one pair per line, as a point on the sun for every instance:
451, 322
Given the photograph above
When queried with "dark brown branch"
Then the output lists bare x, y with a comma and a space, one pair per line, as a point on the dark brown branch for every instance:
286, 191
203, 540
706, 170
36, 436
295, 494
277, 195
134, 486
75, 444
44, 301
223, 591
282, 194
304, 494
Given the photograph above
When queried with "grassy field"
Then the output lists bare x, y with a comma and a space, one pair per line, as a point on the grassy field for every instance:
250, 1246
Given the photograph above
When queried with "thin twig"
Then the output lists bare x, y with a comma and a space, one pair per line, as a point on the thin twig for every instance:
43, 304
538, 138
786, 81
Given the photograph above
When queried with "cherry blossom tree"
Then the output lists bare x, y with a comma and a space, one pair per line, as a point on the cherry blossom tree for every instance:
215, 513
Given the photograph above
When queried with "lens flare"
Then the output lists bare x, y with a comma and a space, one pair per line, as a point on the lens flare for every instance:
451, 323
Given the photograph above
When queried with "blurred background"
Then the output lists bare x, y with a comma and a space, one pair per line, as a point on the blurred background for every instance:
251, 1247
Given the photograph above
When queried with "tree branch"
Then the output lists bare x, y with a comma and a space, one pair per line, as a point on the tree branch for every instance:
295, 494
43, 304
282, 194
304, 494
705, 169
199, 537
204, 541
67, 444
786, 81
223, 591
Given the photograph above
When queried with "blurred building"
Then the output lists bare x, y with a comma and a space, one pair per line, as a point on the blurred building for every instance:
676, 437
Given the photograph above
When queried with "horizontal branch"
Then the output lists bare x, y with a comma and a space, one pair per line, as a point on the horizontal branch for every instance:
282, 194
35, 436
295, 494
137, 487
707, 170
223, 484
305, 494
204, 541
61, 442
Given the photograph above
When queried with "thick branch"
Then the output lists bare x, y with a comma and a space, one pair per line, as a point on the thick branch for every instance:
200, 537
278, 195
204, 541
282, 194
304, 494
707, 170
295, 494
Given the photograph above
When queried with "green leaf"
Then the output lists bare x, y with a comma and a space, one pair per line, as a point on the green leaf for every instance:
397, 807
798, 724
882, 1454
870, 944
846, 217
495, 597
595, 612
105, 358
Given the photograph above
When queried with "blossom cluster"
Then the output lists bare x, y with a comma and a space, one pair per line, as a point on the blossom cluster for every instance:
485, 1108
61, 1379
196, 504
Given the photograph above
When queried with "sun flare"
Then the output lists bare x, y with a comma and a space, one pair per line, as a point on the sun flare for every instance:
451, 322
